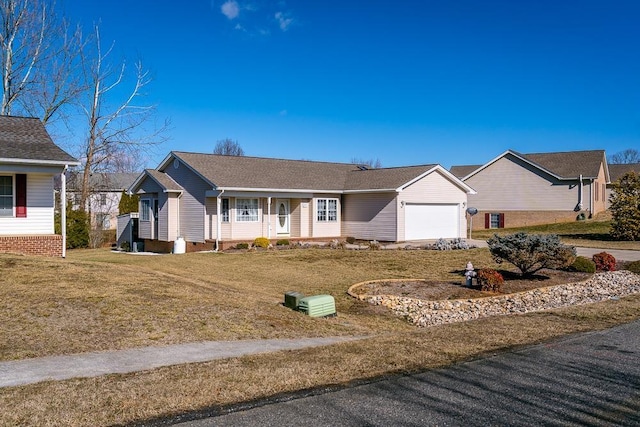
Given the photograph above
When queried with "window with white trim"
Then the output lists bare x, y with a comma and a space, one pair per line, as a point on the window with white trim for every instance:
103, 199
6, 196
494, 220
247, 210
327, 210
224, 210
145, 208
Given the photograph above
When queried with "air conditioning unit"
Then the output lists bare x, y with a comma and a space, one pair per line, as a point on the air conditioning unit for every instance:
318, 306
292, 299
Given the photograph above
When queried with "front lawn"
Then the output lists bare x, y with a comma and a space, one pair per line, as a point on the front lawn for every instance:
98, 300
591, 233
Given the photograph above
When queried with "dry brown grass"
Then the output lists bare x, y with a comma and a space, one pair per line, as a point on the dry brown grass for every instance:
130, 300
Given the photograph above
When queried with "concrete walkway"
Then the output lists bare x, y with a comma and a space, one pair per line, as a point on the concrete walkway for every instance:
29, 371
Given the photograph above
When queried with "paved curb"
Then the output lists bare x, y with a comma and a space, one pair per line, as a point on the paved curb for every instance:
29, 371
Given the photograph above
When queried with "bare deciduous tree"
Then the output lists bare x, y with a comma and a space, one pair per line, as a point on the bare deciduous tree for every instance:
228, 147
627, 156
114, 128
371, 163
39, 58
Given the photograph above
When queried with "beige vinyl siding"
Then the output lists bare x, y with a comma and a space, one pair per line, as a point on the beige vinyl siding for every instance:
191, 207
296, 212
510, 184
600, 203
325, 228
172, 212
370, 216
211, 218
434, 188
306, 212
39, 218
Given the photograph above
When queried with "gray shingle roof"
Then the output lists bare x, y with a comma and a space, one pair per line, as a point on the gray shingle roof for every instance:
463, 170
242, 172
616, 171
569, 164
566, 165
165, 181
23, 138
104, 181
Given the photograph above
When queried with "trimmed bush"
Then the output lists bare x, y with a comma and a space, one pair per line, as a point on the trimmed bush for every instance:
350, 240
490, 280
261, 242
242, 246
604, 261
583, 265
531, 252
282, 242
633, 267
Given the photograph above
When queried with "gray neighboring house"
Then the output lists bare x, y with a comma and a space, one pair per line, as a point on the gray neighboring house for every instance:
517, 189
29, 162
105, 193
214, 201
616, 171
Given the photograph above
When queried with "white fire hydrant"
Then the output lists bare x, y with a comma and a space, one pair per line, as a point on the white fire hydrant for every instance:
470, 273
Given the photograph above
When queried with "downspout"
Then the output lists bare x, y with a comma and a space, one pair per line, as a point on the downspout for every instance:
63, 209
580, 193
218, 219
591, 200
269, 218
178, 229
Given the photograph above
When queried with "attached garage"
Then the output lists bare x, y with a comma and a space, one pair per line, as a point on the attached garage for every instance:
431, 221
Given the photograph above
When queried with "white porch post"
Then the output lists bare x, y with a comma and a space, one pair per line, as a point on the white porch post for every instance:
269, 217
63, 210
218, 219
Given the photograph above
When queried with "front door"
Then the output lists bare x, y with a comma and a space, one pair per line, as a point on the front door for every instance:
283, 219
155, 218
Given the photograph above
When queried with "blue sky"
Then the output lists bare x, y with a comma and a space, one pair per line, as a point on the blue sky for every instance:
407, 82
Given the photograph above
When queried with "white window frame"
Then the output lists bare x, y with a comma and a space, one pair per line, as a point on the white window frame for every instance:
224, 210
9, 196
327, 210
145, 210
247, 210
494, 220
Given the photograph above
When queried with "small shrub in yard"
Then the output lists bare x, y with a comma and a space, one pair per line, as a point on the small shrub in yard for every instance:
374, 245
350, 240
604, 262
448, 245
261, 242
583, 265
531, 252
490, 280
282, 242
633, 267
242, 246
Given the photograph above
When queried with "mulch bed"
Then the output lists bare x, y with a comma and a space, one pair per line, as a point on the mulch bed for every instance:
434, 291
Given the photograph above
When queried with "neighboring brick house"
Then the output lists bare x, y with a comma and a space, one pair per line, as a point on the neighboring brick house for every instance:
104, 198
29, 161
616, 171
517, 189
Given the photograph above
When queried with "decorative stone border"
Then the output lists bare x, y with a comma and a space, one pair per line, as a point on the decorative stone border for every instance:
600, 287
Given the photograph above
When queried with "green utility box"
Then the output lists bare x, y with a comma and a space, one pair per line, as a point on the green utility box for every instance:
292, 299
318, 306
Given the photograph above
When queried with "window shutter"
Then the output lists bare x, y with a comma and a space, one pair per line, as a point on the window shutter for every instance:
21, 195
501, 220
487, 220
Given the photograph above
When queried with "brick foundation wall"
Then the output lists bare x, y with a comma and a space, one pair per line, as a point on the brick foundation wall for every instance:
50, 245
525, 218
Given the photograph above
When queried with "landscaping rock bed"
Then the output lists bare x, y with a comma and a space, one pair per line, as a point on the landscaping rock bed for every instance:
600, 287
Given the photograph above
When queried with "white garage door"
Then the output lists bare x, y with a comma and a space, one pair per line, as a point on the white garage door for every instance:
424, 221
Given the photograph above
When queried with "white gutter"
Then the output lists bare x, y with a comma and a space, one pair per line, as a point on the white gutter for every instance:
218, 219
63, 210
269, 217
39, 162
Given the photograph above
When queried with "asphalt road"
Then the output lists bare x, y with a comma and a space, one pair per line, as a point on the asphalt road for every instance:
585, 379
